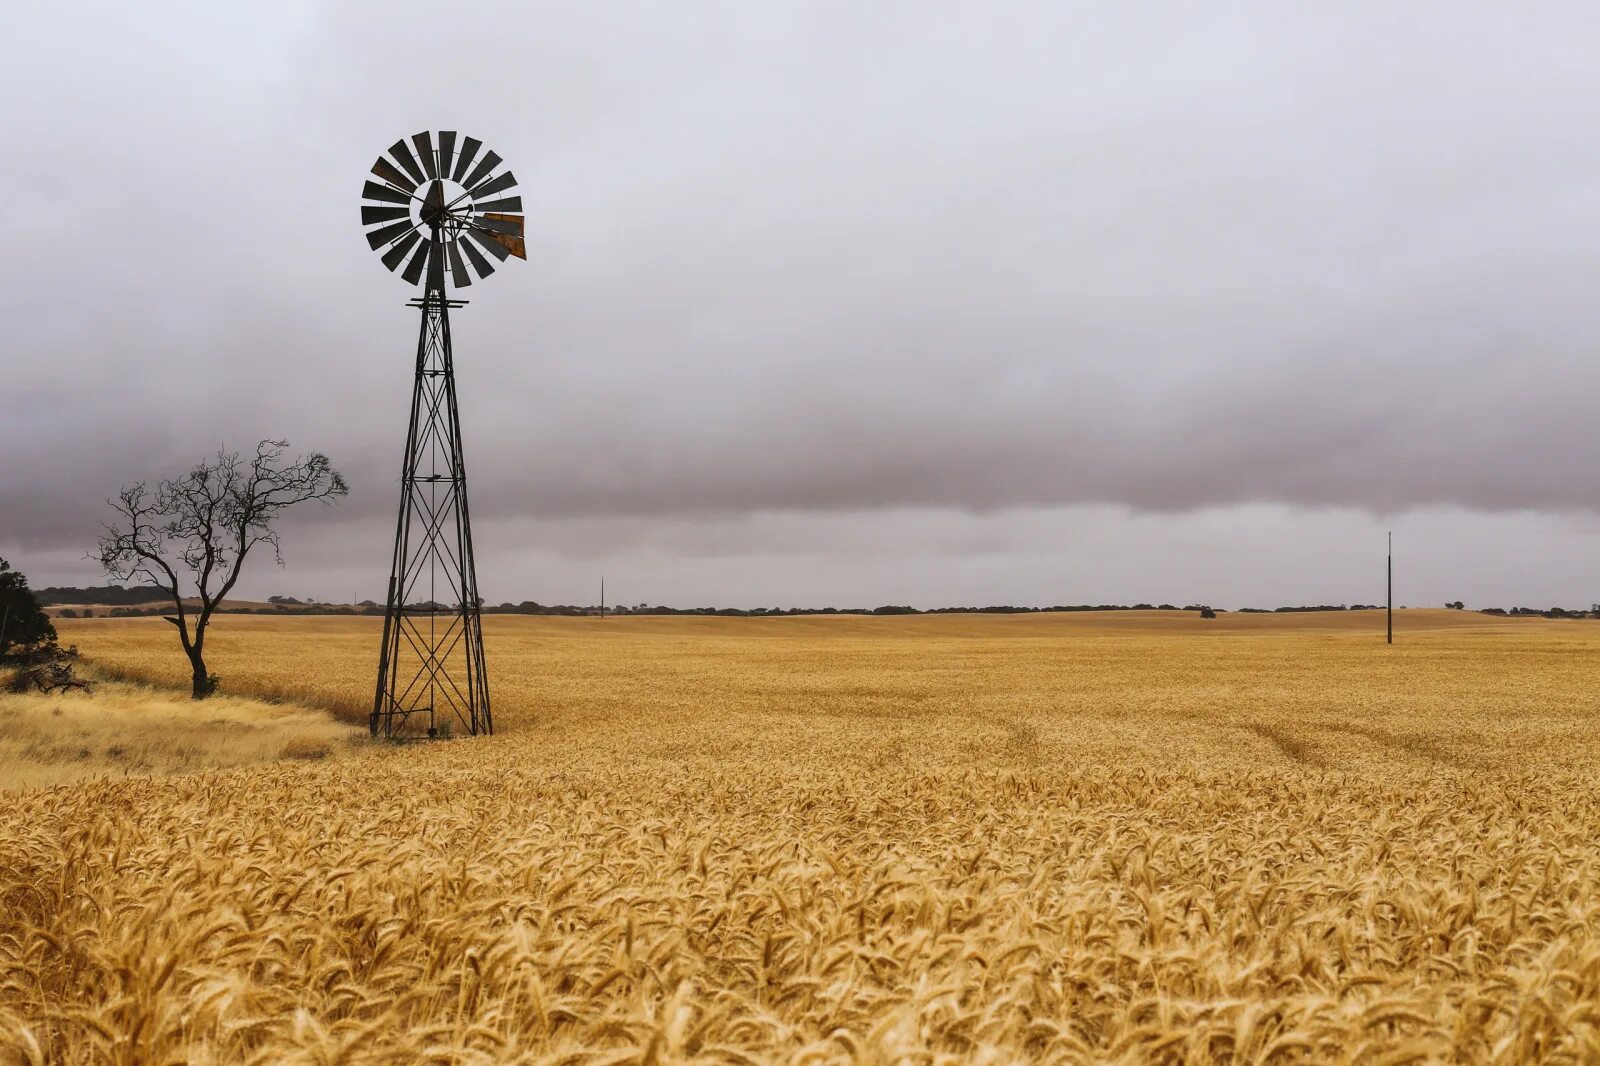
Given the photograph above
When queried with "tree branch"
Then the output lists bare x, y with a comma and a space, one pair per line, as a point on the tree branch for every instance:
206, 522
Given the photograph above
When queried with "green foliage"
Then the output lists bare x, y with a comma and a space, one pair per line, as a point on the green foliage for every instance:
23, 623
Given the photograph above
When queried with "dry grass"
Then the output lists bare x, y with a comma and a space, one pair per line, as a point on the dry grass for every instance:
1064, 837
124, 729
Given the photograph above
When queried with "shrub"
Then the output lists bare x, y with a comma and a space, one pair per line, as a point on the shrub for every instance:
23, 622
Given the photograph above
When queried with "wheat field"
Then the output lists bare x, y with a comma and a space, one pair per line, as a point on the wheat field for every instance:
1081, 838
126, 729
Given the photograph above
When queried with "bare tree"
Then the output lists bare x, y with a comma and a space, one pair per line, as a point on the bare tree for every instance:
198, 529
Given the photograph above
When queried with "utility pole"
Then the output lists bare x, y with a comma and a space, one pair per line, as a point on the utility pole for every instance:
602, 596
1391, 587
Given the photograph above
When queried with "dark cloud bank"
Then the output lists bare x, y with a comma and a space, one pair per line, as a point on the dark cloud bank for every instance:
991, 285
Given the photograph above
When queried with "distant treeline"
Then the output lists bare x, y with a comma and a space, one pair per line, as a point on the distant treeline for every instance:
138, 601
1534, 612
288, 605
528, 607
1320, 607
106, 594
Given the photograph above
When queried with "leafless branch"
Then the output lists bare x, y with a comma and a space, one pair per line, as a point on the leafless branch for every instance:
204, 524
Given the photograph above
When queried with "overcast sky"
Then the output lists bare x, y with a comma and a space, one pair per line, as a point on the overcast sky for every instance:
839, 303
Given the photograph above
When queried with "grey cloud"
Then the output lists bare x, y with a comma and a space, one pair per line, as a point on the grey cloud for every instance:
1255, 555
823, 258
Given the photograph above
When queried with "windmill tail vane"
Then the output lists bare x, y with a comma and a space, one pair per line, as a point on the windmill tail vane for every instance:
436, 207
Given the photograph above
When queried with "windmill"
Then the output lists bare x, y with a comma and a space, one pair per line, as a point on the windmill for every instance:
438, 211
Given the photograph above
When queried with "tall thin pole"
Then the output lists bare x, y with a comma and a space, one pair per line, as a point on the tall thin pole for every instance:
1391, 587
602, 595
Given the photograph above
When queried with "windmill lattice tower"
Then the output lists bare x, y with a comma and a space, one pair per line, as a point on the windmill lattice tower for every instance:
440, 212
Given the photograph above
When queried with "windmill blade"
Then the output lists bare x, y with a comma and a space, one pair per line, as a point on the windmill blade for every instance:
475, 257
469, 149
413, 269
385, 234
373, 215
424, 143
458, 270
391, 174
373, 191
447, 151
510, 203
491, 242
481, 171
393, 257
508, 224
403, 156
501, 184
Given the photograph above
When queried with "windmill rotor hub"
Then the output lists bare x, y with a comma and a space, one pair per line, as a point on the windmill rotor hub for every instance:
444, 205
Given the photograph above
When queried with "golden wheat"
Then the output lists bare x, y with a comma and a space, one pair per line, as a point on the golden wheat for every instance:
931, 839
122, 729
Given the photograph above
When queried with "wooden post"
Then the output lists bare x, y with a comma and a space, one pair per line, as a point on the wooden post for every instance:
1391, 587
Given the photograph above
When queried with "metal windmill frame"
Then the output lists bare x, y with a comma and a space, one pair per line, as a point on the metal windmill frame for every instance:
432, 212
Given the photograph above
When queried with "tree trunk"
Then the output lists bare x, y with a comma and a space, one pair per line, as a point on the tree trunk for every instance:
202, 680
204, 683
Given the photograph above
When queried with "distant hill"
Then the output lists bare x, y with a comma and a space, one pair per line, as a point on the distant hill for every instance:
109, 595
